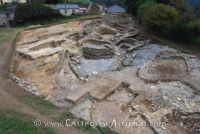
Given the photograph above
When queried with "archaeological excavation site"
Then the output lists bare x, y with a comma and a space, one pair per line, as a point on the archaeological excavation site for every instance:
105, 70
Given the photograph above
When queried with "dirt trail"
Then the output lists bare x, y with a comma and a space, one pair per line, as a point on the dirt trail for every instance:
5, 56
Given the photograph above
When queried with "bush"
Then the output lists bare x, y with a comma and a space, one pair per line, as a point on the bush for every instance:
144, 8
195, 26
133, 5
180, 33
161, 17
186, 32
35, 12
4, 6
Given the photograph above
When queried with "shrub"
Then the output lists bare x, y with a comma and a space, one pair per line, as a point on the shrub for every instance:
161, 17
4, 6
186, 32
35, 12
195, 26
144, 8
180, 33
133, 5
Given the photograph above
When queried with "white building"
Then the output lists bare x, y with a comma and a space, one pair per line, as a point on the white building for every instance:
11, 1
6, 15
68, 9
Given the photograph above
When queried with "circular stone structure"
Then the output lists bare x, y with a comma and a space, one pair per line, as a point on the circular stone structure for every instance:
97, 52
163, 70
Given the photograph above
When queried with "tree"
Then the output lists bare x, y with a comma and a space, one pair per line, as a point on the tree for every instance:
161, 17
163, 1
133, 5
52, 1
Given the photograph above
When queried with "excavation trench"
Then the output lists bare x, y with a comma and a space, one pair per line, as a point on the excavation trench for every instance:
105, 72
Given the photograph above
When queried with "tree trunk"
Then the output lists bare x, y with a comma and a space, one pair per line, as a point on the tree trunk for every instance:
1, 1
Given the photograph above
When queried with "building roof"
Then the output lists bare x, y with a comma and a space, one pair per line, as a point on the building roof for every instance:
116, 9
67, 6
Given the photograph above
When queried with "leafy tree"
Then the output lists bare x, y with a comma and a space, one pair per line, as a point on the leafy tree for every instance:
144, 8
35, 12
133, 5
161, 17
52, 1
163, 1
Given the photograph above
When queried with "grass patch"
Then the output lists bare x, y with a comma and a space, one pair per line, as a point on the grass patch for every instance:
50, 22
8, 35
17, 123
39, 104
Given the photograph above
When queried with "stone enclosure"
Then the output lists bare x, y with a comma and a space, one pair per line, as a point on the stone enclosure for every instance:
104, 70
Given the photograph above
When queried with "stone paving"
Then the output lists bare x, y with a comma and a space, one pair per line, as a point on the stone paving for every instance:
104, 71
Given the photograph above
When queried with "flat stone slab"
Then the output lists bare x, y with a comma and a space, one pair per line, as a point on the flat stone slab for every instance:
128, 75
97, 52
107, 112
77, 94
82, 110
122, 97
44, 52
41, 48
102, 90
90, 67
39, 44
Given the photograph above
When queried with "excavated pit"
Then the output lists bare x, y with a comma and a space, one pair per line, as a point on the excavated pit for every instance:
103, 71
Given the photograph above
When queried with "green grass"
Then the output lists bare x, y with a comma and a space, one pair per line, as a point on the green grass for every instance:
38, 103
47, 23
8, 35
86, 128
17, 123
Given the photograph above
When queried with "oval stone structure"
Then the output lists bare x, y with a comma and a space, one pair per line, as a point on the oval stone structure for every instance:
163, 70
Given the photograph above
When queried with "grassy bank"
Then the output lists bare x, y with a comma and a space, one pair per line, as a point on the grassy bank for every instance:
8, 35
17, 123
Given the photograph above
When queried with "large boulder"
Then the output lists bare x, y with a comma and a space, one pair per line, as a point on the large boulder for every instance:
97, 52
